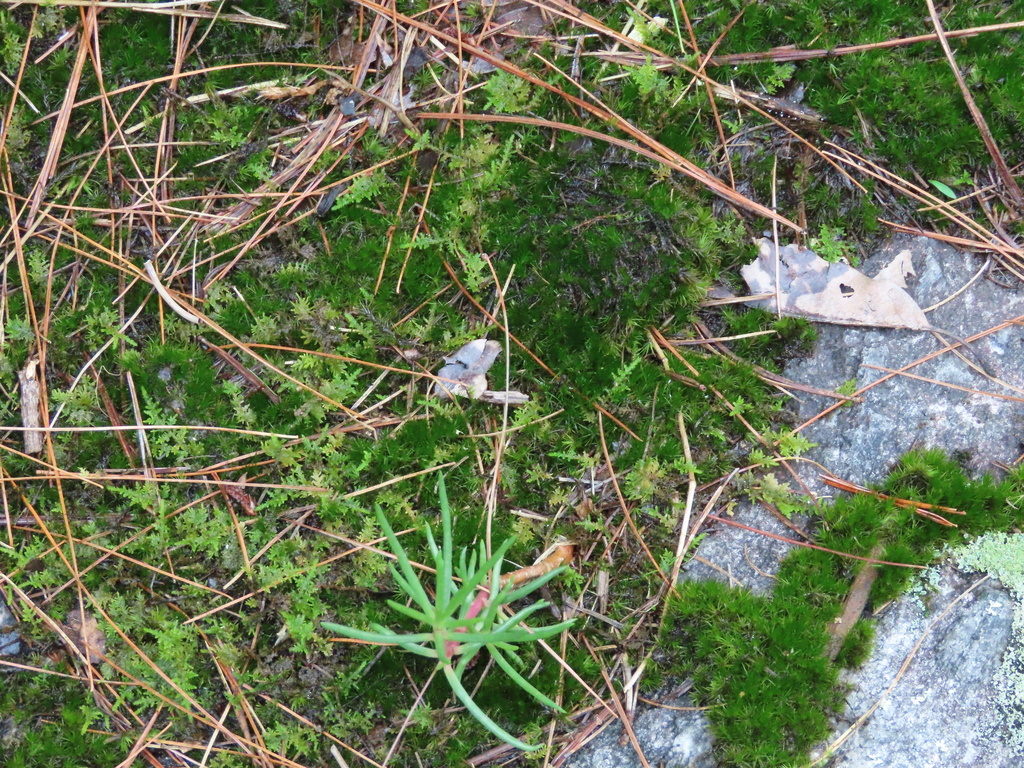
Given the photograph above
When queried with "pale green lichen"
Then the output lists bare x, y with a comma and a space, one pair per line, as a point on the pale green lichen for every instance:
926, 584
1001, 556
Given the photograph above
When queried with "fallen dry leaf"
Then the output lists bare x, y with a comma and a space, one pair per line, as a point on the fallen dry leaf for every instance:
85, 633
344, 49
898, 270
523, 18
238, 494
837, 293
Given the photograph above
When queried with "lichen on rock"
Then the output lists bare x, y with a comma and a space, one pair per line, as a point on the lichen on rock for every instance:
1001, 556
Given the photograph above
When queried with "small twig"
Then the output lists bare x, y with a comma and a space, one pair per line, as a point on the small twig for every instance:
561, 555
169, 300
856, 601
31, 416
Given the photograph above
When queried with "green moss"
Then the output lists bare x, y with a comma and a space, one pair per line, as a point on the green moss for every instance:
857, 646
761, 667
73, 733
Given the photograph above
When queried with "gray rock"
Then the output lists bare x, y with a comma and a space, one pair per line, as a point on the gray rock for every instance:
669, 737
942, 712
740, 557
10, 641
862, 443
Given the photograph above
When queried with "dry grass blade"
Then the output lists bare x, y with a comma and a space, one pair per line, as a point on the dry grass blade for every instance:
619, 709
624, 506
971, 390
161, 6
790, 53
310, 724
150, 83
774, 379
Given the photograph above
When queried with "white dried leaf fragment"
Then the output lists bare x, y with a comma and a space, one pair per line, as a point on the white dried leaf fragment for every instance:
465, 373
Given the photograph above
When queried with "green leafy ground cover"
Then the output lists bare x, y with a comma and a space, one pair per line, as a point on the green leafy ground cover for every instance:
595, 245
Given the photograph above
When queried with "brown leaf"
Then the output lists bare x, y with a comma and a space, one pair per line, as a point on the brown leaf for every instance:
813, 288
238, 494
523, 18
344, 50
81, 627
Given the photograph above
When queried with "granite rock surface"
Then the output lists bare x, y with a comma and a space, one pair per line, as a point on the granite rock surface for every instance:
942, 711
10, 642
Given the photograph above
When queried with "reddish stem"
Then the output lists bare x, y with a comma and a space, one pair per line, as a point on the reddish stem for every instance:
451, 646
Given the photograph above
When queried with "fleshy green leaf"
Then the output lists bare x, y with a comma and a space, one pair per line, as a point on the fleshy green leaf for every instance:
463, 695
943, 188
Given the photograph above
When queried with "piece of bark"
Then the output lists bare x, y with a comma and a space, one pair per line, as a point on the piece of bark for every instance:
500, 397
31, 416
856, 601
